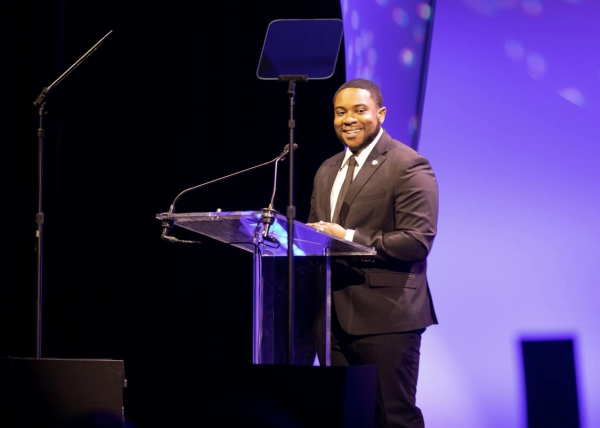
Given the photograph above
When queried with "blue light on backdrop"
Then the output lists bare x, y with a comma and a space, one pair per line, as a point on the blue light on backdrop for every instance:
511, 127
387, 41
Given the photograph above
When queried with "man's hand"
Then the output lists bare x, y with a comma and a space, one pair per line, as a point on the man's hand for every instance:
331, 228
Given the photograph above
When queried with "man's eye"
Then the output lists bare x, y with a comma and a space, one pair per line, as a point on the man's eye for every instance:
362, 110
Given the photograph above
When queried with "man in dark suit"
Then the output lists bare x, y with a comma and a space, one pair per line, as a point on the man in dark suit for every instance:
389, 201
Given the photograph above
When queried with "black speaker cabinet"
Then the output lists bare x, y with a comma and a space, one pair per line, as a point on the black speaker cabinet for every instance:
47, 393
551, 384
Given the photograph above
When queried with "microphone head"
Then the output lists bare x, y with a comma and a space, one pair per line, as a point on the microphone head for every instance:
286, 150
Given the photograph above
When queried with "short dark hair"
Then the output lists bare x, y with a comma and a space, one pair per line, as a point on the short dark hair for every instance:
363, 84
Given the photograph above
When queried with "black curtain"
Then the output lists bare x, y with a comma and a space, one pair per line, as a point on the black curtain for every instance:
169, 101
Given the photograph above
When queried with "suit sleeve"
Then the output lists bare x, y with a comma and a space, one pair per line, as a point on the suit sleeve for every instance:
314, 214
415, 213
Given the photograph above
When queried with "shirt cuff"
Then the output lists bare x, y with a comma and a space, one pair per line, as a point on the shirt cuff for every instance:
349, 235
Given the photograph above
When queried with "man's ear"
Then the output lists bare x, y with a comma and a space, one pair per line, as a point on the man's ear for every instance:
381, 114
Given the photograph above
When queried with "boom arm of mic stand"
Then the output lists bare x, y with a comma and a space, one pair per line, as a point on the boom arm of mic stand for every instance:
46, 91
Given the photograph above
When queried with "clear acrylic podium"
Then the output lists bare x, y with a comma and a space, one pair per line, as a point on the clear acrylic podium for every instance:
244, 230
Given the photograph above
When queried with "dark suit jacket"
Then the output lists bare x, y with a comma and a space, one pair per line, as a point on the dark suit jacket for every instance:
392, 205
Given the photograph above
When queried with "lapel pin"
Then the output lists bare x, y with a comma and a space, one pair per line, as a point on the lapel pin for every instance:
374, 162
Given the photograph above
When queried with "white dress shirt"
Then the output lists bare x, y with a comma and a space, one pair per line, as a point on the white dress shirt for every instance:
361, 158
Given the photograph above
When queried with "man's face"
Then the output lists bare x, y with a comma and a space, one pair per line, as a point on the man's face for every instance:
357, 119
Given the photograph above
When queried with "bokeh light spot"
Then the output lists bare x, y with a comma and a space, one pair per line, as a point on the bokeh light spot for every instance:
573, 95
413, 124
400, 16
371, 56
491, 7
482, 6
367, 39
514, 50
344, 8
368, 72
419, 33
506, 4
424, 10
536, 65
358, 46
407, 57
355, 20
532, 7
350, 54
381, 2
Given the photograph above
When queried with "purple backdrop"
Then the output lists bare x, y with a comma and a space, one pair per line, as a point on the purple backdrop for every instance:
511, 125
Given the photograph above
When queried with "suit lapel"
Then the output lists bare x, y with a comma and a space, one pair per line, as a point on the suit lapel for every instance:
375, 159
330, 179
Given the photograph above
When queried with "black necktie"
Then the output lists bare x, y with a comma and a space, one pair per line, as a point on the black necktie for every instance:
344, 189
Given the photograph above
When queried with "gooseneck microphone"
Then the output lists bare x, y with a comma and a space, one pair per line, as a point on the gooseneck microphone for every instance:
167, 224
280, 158
268, 214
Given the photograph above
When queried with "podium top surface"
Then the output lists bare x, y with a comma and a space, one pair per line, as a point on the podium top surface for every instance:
243, 229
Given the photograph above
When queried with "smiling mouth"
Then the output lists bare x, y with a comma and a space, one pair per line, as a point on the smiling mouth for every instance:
352, 131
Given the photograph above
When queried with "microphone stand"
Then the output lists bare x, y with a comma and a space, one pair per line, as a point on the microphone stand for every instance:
291, 214
39, 218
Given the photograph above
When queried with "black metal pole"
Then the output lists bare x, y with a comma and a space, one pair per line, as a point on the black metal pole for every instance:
39, 233
291, 215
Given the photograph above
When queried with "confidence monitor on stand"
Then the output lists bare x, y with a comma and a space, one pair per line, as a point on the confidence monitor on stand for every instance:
298, 50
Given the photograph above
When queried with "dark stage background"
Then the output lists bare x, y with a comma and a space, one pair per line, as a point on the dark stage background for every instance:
169, 101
